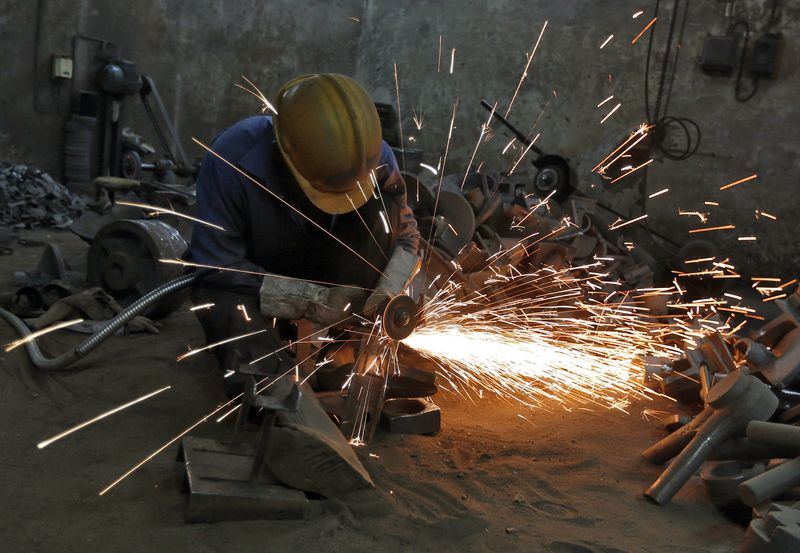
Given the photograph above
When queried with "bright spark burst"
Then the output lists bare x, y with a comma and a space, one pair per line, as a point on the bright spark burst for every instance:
539, 342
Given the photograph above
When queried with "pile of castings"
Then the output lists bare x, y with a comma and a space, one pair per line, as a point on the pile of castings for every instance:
30, 198
746, 440
495, 219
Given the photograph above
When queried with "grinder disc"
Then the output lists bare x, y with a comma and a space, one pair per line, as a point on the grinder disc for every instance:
400, 317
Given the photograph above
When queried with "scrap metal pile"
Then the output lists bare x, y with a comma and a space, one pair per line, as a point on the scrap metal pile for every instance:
30, 198
746, 439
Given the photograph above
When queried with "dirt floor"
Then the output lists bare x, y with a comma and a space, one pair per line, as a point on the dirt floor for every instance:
561, 482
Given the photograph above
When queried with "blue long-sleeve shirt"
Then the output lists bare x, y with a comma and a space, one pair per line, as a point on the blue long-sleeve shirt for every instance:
261, 232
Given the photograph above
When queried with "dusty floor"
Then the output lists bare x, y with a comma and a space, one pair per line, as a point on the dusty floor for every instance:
490, 481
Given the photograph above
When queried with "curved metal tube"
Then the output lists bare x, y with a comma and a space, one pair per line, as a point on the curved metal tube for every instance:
41, 362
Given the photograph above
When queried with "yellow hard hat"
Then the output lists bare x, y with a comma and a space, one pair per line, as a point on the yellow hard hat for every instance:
329, 133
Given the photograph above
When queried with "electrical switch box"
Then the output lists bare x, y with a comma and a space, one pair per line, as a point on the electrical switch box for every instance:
719, 55
62, 67
766, 56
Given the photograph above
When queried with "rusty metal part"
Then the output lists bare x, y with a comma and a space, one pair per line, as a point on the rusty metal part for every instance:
124, 260
411, 416
721, 480
735, 401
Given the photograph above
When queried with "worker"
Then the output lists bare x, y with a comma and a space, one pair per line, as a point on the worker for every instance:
310, 192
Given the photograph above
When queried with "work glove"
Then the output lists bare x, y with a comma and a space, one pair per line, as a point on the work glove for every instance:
297, 299
403, 266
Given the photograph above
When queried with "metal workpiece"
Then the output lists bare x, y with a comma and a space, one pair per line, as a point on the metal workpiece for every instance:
743, 449
778, 531
755, 353
776, 434
771, 483
736, 400
721, 480
667, 448
785, 368
411, 416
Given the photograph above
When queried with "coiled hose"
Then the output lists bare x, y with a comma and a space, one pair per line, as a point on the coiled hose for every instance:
41, 362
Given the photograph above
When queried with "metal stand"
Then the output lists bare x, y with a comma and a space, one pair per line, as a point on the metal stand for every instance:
229, 480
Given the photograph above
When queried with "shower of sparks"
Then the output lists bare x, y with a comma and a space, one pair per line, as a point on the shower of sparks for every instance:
484, 129
243, 309
610, 113
430, 168
623, 148
399, 117
545, 347
384, 221
266, 105
711, 229
604, 101
45, 443
618, 224
156, 210
606, 41
633, 170
525, 71
418, 118
34, 335
643, 31
740, 181
656, 194
524, 152
439, 56
221, 342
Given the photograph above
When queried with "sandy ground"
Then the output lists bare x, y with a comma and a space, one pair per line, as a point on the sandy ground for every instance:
561, 482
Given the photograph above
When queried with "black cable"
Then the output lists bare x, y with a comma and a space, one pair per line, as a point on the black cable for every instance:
738, 85
678, 49
665, 63
647, 63
664, 123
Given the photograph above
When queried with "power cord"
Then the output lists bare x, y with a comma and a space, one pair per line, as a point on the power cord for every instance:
666, 125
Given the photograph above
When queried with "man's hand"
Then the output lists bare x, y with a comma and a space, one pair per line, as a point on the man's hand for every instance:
403, 266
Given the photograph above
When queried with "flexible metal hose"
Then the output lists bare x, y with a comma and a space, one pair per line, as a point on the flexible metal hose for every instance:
41, 362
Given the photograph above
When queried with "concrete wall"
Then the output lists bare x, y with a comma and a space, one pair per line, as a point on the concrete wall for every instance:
197, 50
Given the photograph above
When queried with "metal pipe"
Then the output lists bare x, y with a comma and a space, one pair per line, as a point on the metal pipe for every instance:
773, 433
41, 362
760, 489
736, 400
664, 450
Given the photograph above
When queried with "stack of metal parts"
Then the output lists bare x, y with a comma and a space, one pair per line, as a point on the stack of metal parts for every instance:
747, 437
499, 219
30, 198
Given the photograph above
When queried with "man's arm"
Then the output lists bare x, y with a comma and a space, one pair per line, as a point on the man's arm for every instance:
220, 201
393, 189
